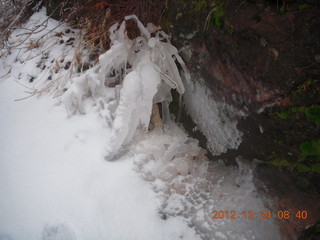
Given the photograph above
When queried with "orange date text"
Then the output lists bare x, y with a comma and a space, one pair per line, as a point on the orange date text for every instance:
263, 214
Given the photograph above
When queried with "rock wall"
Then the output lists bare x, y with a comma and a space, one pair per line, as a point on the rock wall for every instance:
258, 62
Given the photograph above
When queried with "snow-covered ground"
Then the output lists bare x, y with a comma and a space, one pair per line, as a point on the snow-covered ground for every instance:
55, 181
56, 184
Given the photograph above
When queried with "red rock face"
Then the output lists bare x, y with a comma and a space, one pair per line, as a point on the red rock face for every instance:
261, 60
225, 80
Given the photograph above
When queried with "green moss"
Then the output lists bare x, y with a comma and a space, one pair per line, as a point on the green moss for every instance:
312, 113
303, 6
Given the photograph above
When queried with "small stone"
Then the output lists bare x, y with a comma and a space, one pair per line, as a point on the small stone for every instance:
317, 58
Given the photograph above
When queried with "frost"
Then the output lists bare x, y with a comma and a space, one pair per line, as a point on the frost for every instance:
146, 71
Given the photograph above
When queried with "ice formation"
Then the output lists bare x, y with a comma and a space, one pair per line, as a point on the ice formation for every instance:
144, 71
216, 120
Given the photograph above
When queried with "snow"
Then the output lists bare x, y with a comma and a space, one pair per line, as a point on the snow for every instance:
53, 176
54, 180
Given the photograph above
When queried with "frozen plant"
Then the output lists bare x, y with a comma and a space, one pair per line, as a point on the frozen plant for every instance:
143, 70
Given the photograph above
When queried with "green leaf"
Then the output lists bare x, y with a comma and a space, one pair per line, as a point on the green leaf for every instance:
283, 115
282, 10
298, 110
303, 168
217, 17
279, 163
315, 167
235, 46
310, 148
199, 5
261, 5
219, 12
302, 158
303, 6
313, 114
310, 81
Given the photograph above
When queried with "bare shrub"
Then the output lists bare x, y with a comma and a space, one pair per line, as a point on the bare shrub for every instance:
96, 16
13, 13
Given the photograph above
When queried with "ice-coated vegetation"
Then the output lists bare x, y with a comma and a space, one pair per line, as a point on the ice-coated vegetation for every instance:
143, 70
